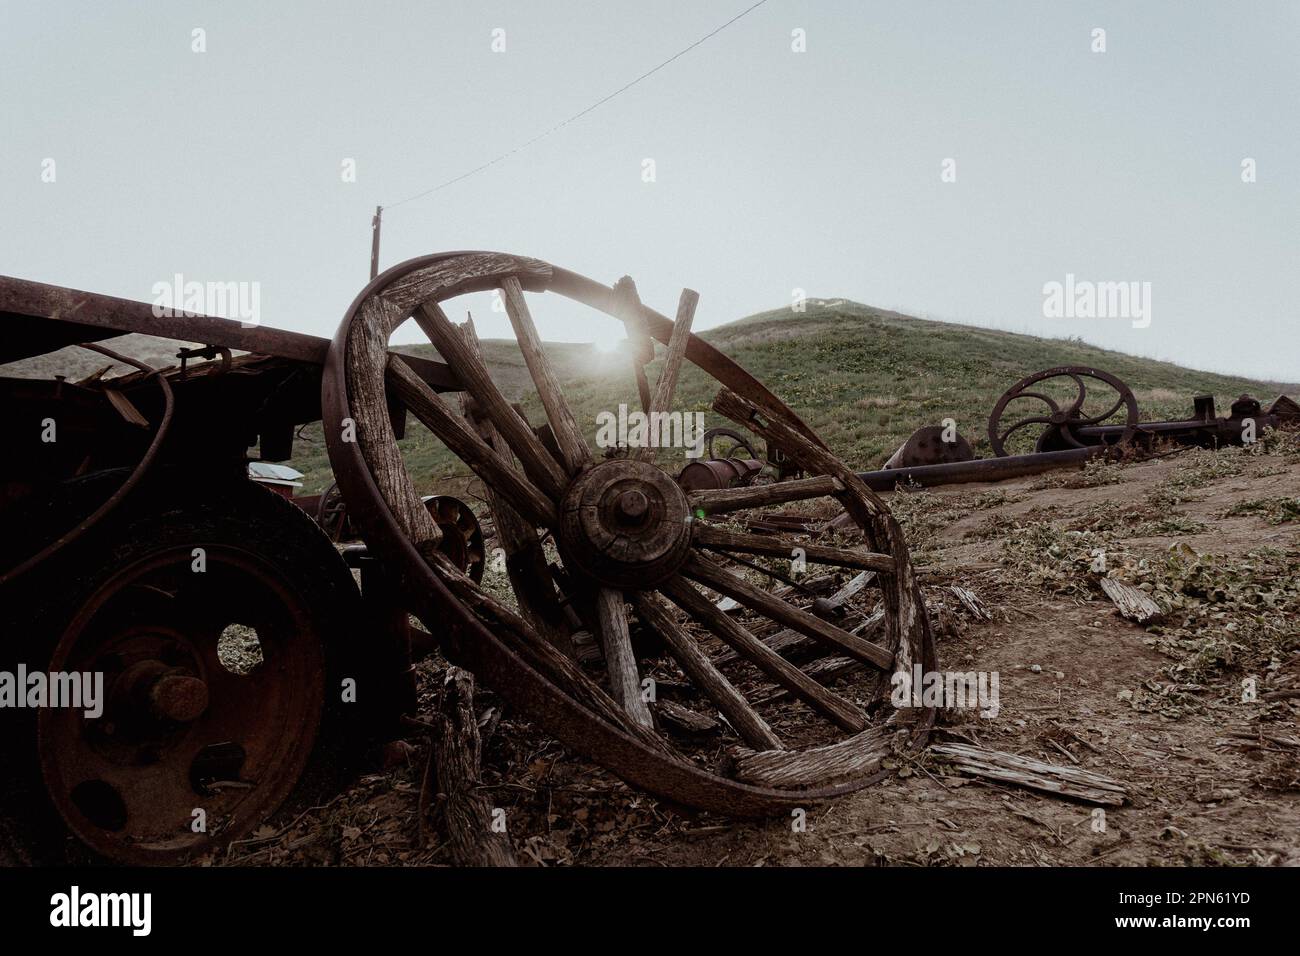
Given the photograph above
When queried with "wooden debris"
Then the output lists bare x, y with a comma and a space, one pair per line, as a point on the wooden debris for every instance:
1133, 604
684, 719
452, 773
1070, 782
967, 598
823, 671
850, 759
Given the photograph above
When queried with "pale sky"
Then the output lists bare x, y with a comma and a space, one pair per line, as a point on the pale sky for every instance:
775, 169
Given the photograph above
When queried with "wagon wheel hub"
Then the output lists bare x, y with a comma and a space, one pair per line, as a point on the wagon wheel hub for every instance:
625, 524
155, 690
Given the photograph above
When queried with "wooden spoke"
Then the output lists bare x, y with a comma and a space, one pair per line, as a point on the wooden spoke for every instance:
525, 561
737, 588
628, 308
624, 679
843, 713
907, 626
457, 435
573, 446
560, 669
779, 547
538, 463
667, 384
723, 500
806, 453
695, 664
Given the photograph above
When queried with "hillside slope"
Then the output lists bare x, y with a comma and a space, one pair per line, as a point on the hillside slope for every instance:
864, 378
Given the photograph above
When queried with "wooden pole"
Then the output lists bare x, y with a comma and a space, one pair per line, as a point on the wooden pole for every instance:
375, 223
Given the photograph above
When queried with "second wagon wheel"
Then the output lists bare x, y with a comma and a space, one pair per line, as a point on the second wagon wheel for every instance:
633, 554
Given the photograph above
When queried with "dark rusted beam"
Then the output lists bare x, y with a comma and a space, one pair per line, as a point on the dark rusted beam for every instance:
86, 316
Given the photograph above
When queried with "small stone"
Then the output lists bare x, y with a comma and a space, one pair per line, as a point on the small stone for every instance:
1060, 675
1036, 668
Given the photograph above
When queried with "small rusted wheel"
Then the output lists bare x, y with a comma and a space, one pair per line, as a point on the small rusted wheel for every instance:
627, 551
727, 443
1064, 426
332, 514
462, 536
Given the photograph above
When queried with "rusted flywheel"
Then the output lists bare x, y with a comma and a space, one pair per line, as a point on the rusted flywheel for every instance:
722, 443
462, 537
1066, 413
624, 534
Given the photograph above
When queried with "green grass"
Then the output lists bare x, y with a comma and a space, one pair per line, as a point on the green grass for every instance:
862, 377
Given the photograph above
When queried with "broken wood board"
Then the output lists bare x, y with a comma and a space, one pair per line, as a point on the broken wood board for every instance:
1134, 604
1070, 782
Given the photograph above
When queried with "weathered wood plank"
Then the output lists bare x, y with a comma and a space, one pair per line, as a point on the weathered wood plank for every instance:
853, 758
666, 386
620, 661
453, 773
1132, 603
1071, 782
367, 348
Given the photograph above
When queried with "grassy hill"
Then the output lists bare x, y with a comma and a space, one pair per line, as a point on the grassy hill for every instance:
864, 378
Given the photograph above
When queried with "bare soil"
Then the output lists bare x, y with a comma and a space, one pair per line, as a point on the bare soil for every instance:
1212, 778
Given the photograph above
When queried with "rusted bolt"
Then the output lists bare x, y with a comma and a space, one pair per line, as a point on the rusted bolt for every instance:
180, 698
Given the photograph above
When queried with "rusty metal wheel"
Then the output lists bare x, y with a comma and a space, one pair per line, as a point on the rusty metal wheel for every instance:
221, 655
332, 514
462, 536
625, 534
1062, 426
720, 443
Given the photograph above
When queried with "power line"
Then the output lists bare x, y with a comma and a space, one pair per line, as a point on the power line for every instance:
577, 116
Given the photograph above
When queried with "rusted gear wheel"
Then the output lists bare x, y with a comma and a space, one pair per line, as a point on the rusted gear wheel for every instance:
332, 514
221, 657
626, 534
1061, 427
462, 536
727, 443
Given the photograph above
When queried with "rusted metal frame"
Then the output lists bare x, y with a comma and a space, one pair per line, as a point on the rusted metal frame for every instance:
138, 473
97, 314
951, 473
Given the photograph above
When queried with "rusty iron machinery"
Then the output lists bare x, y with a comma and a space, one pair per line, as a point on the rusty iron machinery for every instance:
720, 473
629, 539
462, 535
1063, 418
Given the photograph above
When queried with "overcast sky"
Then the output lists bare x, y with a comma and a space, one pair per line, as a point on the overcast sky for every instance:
774, 169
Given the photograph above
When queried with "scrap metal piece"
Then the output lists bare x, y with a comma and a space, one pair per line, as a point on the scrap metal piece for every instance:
929, 446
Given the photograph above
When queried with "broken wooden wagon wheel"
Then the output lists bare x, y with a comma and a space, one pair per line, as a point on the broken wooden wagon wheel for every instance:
624, 532
1062, 427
